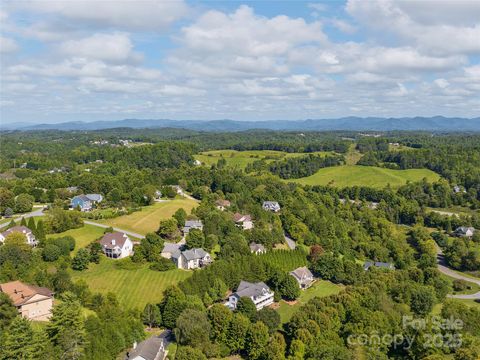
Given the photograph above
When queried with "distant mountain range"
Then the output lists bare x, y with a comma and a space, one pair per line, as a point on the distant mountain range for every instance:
436, 123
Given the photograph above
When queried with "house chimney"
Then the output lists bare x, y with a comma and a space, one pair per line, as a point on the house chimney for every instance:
113, 241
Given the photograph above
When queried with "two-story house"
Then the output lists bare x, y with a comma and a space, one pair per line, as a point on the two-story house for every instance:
85, 202
259, 293
30, 238
243, 221
303, 276
271, 206
191, 259
116, 245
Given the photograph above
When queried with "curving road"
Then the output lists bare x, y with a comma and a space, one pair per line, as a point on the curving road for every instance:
34, 213
131, 233
442, 267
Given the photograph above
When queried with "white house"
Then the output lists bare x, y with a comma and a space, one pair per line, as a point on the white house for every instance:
86, 202
244, 221
257, 249
259, 293
191, 259
271, 206
378, 264
22, 230
192, 224
303, 276
464, 231
169, 249
116, 245
222, 204
151, 349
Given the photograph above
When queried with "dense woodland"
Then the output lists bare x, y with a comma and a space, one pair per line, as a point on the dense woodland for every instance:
334, 237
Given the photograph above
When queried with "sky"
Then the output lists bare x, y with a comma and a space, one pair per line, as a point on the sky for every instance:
243, 60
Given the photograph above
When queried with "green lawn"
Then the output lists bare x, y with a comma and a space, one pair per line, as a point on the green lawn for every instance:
321, 288
83, 236
147, 219
240, 159
134, 288
355, 175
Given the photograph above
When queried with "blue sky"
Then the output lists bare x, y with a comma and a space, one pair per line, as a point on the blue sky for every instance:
255, 60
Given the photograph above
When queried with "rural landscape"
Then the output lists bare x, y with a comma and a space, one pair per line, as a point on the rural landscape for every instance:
240, 180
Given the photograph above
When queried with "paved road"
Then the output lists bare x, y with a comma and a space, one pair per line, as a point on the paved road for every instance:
442, 267
136, 235
181, 192
34, 213
290, 242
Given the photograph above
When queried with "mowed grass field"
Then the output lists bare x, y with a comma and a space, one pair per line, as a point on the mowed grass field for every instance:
355, 175
241, 159
134, 288
320, 288
147, 219
83, 236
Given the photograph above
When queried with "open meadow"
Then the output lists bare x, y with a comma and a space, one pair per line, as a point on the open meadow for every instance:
356, 175
134, 287
147, 219
241, 159
83, 236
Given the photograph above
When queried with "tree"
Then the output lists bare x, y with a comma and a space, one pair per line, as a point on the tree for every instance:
195, 239
276, 347
20, 341
66, 328
246, 307
257, 341
81, 260
151, 316
296, 350
422, 300
8, 312
189, 353
269, 317
7, 199
23, 203
8, 213
237, 332
23, 222
51, 252
40, 235
180, 215
168, 229
193, 328
220, 317
289, 288
32, 226
95, 252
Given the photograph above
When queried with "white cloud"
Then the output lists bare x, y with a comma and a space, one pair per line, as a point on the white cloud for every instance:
8, 45
115, 47
120, 14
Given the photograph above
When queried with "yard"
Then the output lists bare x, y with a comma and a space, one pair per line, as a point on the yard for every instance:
134, 288
320, 288
83, 236
355, 175
147, 219
240, 159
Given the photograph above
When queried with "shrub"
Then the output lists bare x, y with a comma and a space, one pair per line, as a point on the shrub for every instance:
51, 252
163, 265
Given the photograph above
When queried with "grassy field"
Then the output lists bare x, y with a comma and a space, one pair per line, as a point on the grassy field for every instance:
286, 260
83, 236
134, 288
321, 288
241, 159
147, 219
351, 175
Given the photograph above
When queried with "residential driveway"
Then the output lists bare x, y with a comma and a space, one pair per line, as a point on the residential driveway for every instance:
131, 233
290, 242
456, 275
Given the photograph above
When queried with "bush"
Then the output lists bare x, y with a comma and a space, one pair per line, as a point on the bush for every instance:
163, 265
51, 252
460, 285
127, 264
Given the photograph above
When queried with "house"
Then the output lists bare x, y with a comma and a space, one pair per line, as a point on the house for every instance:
85, 202
169, 249
72, 189
191, 259
197, 162
116, 245
457, 189
222, 204
257, 249
303, 276
192, 224
32, 302
378, 264
464, 231
151, 349
271, 206
259, 293
244, 221
24, 231
157, 195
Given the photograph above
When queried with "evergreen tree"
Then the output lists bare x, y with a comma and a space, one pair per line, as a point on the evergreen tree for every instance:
66, 328
151, 315
8, 312
40, 235
246, 307
23, 222
31, 225
81, 260
20, 342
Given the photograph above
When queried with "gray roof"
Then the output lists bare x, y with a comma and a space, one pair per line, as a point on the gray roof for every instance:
193, 223
82, 197
194, 254
149, 349
247, 289
301, 273
256, 247
464, 229
95, 197
379, 264
171, 247
271, 203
